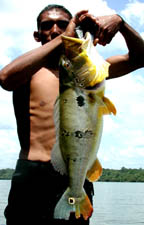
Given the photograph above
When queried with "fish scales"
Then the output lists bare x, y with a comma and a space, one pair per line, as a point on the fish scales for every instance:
78, 117
76, 135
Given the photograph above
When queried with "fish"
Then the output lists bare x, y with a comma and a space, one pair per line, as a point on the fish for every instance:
78, 116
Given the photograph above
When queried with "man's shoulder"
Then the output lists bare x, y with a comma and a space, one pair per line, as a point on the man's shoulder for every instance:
48, 72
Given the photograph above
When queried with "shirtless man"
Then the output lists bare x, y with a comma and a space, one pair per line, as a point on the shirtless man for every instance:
33, 78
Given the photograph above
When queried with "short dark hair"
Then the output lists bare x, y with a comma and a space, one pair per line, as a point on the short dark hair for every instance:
52, 6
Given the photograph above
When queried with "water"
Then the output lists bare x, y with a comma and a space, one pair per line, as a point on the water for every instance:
114, 203
4, 190
118, 204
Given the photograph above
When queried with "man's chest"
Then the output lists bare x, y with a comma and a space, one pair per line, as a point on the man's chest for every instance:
44, 89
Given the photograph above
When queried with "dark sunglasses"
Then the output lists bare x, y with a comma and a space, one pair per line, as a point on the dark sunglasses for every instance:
47, 25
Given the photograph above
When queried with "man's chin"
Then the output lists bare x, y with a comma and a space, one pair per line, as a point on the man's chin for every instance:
45, 42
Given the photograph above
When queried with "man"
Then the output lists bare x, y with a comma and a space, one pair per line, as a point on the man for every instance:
33, 78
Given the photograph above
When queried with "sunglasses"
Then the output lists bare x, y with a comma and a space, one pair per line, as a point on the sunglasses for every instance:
47, 25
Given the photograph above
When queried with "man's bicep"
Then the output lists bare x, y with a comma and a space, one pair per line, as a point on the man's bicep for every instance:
120, 65
123, 64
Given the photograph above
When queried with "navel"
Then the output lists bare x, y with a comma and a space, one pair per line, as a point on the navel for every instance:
42, 103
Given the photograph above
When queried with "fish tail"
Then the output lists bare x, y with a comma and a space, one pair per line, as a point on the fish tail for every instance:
84, 207
68, 204
63, 209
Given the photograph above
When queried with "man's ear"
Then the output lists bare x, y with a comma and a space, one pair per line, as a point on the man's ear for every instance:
36, 36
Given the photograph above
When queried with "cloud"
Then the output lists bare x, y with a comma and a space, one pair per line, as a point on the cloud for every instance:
7, 119
9, 144
117, 46
122, 141
133, 13
6, 44
9, 147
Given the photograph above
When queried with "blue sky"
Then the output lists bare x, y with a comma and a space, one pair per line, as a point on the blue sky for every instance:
123, 136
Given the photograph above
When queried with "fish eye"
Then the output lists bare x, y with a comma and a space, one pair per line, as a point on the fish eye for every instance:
66, 64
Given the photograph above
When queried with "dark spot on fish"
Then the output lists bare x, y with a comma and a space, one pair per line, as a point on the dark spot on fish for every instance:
91, 98
79, 134
81, 101
77, 80
74, 160
65, 133
88, 133
79, 83
65, 100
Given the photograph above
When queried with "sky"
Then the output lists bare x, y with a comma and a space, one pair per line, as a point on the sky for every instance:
122, 143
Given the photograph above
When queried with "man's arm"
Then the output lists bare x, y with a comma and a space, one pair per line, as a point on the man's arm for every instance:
134, 59
104, 29
21, 69
24, 67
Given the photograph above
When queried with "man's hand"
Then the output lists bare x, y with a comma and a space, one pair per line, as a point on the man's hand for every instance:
103, 28
74, 22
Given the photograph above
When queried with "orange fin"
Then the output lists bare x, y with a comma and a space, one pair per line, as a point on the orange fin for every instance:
70, 204
95, 172
84, 208
110, 106
77, 212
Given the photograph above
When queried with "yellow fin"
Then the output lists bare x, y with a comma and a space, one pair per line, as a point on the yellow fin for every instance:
104, 110
95, 172
101, 72
110, 106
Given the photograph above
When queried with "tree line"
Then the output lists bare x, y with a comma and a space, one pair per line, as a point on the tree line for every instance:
123, 175
108, 175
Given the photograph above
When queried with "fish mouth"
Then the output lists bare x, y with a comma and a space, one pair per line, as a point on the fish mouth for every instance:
74, 46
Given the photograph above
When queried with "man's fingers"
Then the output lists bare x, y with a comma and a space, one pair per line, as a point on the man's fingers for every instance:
96, 40
82, 12
105, 38
87, 15
79, 14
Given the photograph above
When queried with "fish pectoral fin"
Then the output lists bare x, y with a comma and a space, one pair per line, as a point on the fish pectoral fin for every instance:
57, 159
95, 171
110, 106
56, 155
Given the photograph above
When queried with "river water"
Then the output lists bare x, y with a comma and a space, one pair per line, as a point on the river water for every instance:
114, 203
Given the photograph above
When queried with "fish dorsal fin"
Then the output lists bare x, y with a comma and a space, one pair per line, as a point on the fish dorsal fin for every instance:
95, 171
110, 106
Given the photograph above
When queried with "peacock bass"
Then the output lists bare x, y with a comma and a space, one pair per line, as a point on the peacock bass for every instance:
78, 116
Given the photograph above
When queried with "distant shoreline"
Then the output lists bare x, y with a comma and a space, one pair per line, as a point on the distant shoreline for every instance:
108, 175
